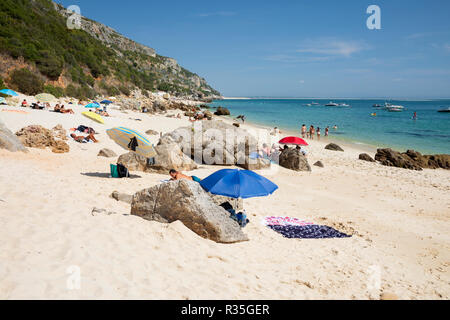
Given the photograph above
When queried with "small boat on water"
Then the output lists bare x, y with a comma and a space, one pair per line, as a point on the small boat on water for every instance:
377, 106
444, 110
393, 108
315, 103
332, 104
344, 105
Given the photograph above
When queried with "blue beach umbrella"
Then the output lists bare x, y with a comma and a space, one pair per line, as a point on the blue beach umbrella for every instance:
9, 92
106, 102
124, 137
237, 183
93, 105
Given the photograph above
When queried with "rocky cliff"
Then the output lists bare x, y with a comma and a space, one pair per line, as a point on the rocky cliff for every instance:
92, 58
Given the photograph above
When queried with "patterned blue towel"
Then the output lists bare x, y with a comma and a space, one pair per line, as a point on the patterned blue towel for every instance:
308, 232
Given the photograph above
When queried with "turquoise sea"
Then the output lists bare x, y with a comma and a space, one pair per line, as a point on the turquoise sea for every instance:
429, 133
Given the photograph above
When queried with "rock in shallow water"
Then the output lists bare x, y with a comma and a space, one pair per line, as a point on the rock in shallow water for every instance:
187, 202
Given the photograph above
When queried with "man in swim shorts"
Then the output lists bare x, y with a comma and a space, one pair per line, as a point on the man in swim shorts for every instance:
176, 175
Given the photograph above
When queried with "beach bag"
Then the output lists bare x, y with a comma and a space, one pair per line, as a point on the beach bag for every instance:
114, 171
122, 171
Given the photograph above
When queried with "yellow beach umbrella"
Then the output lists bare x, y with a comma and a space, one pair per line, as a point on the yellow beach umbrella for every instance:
123, 137
45, 97
93, 116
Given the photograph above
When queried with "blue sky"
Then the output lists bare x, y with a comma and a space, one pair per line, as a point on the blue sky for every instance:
301, 48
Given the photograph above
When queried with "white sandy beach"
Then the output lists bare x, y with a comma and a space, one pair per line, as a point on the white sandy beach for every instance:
400, 220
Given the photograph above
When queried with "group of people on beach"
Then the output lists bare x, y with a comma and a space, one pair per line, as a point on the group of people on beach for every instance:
315, 131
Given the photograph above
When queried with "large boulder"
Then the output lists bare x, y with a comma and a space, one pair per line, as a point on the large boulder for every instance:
237, 204
391, 158
333, 147
133, 161
366, 157
36, 136
255, 164
9, 140
413, 160
187, 202
293, 159
168, 156
222, 112
213, 142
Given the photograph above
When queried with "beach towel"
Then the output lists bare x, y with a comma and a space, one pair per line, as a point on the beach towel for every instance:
284, 221
307, 232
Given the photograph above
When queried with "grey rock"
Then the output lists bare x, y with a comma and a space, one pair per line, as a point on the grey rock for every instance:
9, 140
108, 153
187, 202
391, 158
333, 147
123, 197
293, 159
133, 161
366, 157
237, 204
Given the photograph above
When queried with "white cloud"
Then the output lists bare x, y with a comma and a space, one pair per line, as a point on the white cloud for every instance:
332, 47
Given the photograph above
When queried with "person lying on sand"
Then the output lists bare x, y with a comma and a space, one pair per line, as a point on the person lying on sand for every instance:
82, 139
176, 175
64, 110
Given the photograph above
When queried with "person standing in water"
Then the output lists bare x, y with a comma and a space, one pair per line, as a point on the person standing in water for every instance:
318, 133
327, 129
415, 116
303, 131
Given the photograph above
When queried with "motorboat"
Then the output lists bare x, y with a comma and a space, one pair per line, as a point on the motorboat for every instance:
444, 110
332, 104
344, 105
377, 106
393, 108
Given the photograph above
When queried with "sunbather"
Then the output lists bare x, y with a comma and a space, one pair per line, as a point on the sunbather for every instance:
64, 110
82, 139
176, 175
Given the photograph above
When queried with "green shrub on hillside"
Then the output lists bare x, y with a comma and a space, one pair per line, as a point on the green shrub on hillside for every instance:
58, 92
25, 81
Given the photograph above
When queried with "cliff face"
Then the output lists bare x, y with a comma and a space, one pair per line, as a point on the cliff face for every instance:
94, 59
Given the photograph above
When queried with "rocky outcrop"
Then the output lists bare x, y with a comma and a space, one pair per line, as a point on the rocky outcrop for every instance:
213, 142
9, 140
366, 157
36, 136
255, 164
412, 160
168, 156
333, 147
293, 159
187, 202
391, 158
133, 161
222, 112
59, 132
107, 153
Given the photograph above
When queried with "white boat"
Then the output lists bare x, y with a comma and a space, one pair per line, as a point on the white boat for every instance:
344, 105
332, 104
444, 110
393, 108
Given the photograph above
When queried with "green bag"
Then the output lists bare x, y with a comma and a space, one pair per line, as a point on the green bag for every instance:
114, 171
